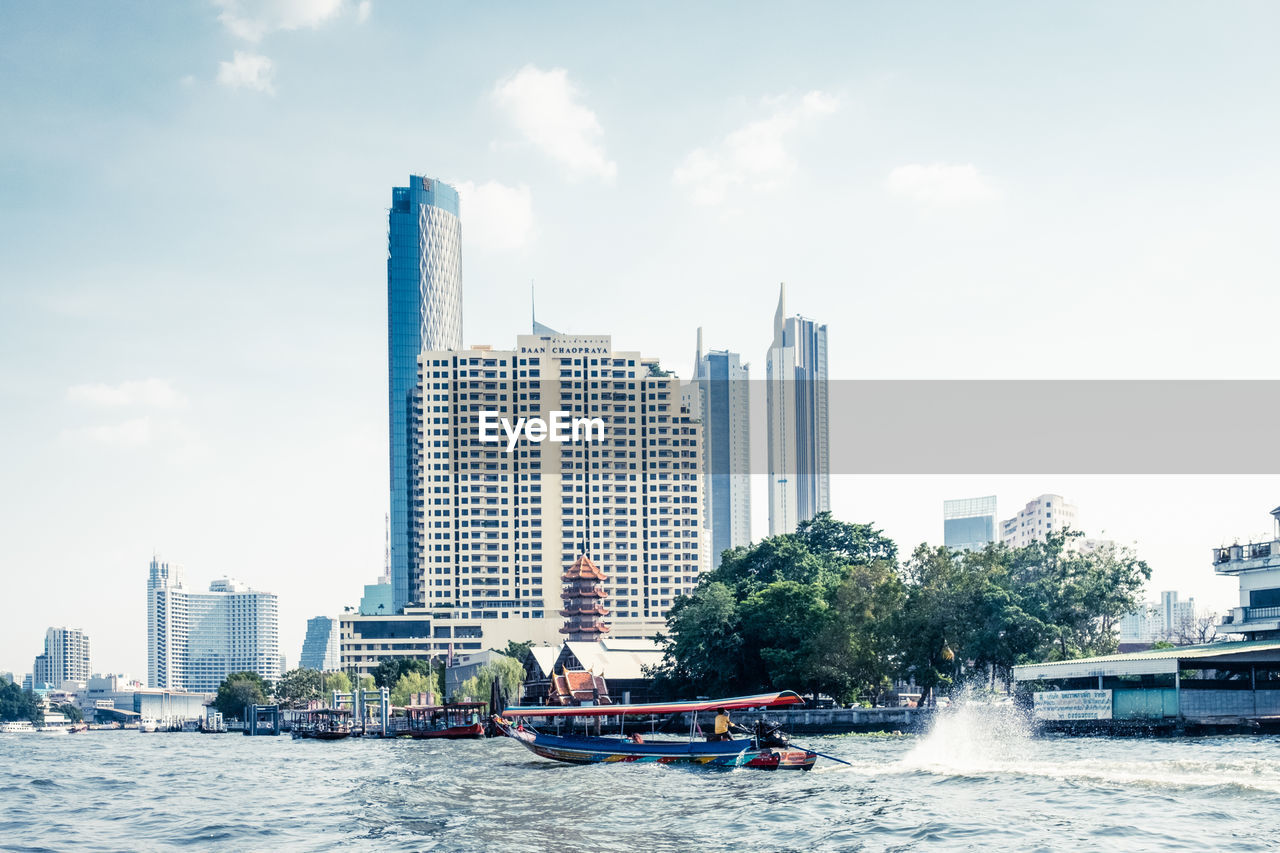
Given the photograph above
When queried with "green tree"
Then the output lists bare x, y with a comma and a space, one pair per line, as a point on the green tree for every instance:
337, 681
516, 650
391, 670
18, 704
238, 690
852, 650
297, 687
507, 671
765, 617
71, 712
366, 682
414, 682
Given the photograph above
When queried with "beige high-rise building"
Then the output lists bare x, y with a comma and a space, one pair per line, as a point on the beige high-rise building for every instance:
497, 522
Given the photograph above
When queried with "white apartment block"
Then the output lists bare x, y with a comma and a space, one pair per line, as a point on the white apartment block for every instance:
494, 530
196, 639
1040, 517
65, 657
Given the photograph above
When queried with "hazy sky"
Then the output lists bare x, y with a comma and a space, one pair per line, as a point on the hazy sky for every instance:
192, 267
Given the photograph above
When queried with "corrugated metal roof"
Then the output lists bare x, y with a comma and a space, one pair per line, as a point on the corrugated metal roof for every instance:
1150, 662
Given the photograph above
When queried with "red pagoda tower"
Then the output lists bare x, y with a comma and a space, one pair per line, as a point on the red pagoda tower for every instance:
583, 597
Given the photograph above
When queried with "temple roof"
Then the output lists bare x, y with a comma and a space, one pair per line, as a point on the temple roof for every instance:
584, 568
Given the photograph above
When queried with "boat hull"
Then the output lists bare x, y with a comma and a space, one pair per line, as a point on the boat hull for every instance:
451, 733
741, 753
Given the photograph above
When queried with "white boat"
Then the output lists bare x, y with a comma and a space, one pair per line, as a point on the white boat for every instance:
148, 725
53, 730
17, 727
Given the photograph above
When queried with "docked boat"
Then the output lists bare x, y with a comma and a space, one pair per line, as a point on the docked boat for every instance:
148, 725
323, 724
53, 730
766, 748
454, 721
17, 727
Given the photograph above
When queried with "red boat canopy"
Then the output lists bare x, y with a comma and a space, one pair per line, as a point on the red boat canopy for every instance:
764, 700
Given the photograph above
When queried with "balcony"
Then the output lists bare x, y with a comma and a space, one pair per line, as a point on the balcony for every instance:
1243, 558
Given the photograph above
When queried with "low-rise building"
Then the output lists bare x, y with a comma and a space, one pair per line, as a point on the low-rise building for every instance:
1256, 566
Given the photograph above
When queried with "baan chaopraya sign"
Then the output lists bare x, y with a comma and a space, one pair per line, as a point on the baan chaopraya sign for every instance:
1073, 705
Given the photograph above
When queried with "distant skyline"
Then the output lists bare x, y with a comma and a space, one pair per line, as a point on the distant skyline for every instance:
193, 276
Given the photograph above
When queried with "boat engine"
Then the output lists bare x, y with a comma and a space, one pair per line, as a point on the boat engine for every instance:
770, 734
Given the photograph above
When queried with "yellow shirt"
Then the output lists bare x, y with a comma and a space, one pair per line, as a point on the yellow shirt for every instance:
722, 724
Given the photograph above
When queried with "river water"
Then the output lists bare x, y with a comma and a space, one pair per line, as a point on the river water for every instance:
975, 781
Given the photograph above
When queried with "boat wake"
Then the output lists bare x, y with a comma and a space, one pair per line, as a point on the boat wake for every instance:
979, 739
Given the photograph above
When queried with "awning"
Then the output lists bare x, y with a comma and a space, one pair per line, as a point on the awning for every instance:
764, 700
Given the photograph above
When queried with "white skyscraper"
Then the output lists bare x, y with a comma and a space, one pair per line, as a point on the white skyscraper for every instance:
796, 395
496, 529
722, 404
65, 657
1040, 517
196, 639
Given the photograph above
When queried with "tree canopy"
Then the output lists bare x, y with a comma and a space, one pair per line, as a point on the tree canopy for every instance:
391, 670
297, 687
506, 670
830, 610
415, 682
18, 704
337, 681
238, 690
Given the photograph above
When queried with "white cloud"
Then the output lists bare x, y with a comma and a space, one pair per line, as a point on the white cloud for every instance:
252, 20
249, 71
131, 433
147, 393
363, 10
497, 217
753, 156
546, 107
941, 184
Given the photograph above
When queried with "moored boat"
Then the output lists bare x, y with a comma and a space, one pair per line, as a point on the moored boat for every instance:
453, 721
17, 727
323, 724
766, 748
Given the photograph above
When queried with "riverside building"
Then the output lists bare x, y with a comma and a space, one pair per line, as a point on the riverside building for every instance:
1256, 566
796, 397
195, 639
424, 312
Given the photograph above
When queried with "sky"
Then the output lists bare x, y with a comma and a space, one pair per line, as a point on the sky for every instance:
192, 267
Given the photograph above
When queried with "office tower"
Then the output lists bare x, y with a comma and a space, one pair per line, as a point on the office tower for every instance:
723, 407
320, 647
424, 312
196, 639
1040, 517
969, 524
796, 395
497, 529
65, 657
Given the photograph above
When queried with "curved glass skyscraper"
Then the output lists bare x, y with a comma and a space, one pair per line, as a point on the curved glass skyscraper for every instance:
424, 312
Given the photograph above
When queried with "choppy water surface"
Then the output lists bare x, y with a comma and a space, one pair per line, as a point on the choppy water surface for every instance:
974, 782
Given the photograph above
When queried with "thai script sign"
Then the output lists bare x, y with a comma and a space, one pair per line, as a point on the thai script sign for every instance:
1073, 705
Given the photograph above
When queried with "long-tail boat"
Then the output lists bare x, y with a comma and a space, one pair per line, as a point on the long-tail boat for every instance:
766, 748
